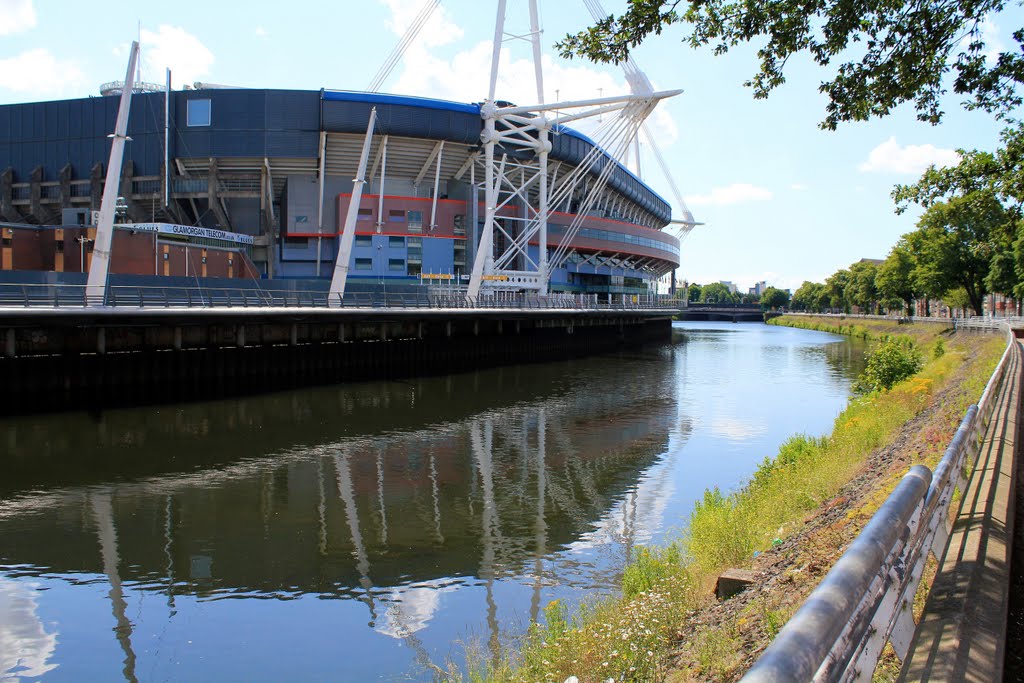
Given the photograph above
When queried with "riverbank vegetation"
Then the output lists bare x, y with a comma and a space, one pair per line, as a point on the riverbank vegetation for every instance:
788, 524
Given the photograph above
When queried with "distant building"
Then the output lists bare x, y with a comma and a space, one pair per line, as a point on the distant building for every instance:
729, 285
758, 289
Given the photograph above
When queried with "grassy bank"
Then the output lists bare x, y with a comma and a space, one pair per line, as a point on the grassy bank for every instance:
651, 633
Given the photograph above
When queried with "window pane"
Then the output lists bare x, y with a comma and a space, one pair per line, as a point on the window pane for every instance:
197, 113
364, 240
396, 264
364, 264
396, 242
396, 216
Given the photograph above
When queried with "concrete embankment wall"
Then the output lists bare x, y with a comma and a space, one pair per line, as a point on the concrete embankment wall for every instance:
81, 362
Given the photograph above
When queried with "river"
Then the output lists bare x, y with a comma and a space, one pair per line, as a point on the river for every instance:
374, 531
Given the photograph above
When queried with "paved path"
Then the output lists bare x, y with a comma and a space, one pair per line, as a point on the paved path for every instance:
962, 634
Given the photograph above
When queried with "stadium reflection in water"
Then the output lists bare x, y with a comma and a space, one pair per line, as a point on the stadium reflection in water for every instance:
257, 539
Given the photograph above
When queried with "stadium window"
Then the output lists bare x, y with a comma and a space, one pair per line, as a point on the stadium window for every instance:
415, 219
296, 241
365, 215
415, 251
364, 240
396, 216
198, 113
414, 270
396, 264
364, 264
396, 242
460, 225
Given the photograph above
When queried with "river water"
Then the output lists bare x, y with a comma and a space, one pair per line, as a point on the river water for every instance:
368, 532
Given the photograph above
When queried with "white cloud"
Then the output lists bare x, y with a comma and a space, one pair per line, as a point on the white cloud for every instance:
439, 30
798, 187
890, 157
261, 32
465, 76
737, 193
993, 42
16, 16
173, 47
39, 73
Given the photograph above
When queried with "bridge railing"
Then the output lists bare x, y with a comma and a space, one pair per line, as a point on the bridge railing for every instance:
123, 297
866, 600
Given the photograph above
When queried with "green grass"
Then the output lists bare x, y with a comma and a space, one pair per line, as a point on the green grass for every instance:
633, 637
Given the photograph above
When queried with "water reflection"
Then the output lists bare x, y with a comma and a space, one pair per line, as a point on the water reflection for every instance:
392, 500
25, 645
353, 533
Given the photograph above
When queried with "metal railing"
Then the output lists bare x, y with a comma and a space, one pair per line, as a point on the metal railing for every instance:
40, 296
866, 600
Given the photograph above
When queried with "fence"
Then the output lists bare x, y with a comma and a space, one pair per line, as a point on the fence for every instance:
71, 296
867, 598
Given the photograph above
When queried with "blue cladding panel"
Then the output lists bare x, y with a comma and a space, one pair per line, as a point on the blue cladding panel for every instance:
404, 100
397, 119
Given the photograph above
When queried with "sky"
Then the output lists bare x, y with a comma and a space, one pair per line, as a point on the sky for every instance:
781, 201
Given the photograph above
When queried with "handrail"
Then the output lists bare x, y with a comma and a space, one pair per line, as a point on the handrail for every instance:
64, 296
866, 599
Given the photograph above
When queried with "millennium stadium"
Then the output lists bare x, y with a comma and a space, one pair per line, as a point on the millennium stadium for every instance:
220, 181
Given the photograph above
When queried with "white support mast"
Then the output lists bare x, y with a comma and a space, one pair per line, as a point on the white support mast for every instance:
518, 188
96, 285
337, 290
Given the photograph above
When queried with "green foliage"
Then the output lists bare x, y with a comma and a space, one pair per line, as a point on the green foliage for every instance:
651, 567
877, 55
694, 291
893, 279
938, 349
717, 293
808, 297
773, 298
892, 360
861, 290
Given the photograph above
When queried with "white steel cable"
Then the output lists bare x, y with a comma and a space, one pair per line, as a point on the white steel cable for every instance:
407, 39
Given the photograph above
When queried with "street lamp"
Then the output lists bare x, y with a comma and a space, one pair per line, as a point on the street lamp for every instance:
82, 241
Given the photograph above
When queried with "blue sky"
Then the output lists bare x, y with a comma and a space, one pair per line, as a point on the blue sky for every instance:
781, 200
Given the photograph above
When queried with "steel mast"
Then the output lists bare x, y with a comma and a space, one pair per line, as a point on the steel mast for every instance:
96, 285
516, 144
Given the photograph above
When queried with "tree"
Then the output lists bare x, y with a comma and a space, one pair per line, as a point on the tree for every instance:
694, 292
717, 293
772, 298
860, 288
834, 292
807, 297
952, 246
894, 281
878, 55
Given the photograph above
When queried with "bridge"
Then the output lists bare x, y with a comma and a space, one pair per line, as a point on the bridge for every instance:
731, 312
963, 514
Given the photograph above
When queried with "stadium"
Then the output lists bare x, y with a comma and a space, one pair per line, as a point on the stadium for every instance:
233, 182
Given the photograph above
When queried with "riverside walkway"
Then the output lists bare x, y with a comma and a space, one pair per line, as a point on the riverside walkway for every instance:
965, 516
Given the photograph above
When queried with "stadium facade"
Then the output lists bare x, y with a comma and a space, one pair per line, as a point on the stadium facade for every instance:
278, 166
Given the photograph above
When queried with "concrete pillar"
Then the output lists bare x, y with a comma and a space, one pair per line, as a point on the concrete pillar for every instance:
341, 332
448, 328
240, 336
7, 210
101, 340
36, 195
10, 344
294, 337
383, 331
177, 339
96, 187
65, 187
